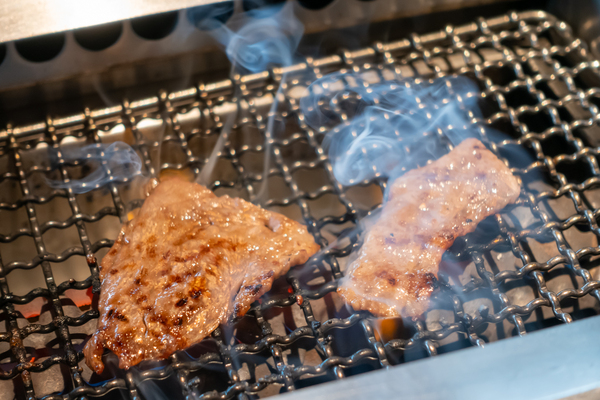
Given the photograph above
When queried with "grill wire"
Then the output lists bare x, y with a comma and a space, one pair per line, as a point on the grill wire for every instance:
538, 85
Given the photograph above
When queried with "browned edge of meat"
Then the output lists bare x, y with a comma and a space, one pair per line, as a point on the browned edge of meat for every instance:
187, 262
426, 210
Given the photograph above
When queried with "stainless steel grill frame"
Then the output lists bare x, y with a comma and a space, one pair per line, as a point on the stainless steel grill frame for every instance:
549, 70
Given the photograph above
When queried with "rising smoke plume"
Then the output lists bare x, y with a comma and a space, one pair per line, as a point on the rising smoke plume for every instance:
258, 39
114, 163
254, 41
387, 120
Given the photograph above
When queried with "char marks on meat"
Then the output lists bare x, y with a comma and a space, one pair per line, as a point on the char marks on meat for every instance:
427, 209
184, 265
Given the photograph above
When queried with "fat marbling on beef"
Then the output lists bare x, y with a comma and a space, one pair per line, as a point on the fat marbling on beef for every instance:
426, 210
184, 265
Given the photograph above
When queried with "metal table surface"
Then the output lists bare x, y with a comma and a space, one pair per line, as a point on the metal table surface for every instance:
536, 366
28, 18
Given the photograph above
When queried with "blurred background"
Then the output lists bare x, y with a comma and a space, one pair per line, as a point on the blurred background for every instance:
55, 53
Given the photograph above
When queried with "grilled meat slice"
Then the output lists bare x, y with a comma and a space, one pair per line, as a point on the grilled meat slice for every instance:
426, 210
183, 265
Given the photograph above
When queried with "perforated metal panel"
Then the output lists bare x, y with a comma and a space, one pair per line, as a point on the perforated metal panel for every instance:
533, 265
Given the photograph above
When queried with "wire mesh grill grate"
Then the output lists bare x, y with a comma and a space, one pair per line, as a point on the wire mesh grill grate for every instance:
532, 268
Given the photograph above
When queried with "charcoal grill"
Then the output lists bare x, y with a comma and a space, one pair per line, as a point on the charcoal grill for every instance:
534, 266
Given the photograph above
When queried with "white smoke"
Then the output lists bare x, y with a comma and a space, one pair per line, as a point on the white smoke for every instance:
114, 163
387, 121
254, 41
